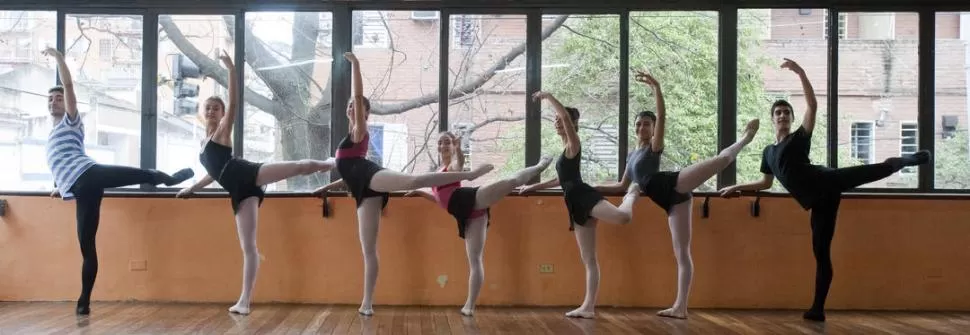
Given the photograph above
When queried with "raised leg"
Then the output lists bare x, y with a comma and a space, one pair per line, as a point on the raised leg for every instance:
489, 194
273, 172
246, 226
680, 233
586, 239
622, 214
110, 176
391, 181
369, 217
694, 175
474, 247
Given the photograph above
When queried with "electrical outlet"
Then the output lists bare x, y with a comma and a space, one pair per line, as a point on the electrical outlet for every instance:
545, 268
139, 265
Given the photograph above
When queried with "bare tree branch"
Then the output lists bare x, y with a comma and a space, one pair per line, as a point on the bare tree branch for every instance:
211, 68
468, 86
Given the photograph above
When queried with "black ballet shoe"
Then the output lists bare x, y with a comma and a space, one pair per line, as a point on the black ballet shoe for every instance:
814, 315
919, 158
180, 176
83, 310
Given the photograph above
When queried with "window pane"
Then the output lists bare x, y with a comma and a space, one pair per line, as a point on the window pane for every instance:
107, 81
765, 38
288, 91
680, 50
489, 115
580, 67
878, 71
25, 77
952, 156
186, 43
398, 53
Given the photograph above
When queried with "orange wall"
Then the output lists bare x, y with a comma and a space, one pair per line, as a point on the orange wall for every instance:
889, 254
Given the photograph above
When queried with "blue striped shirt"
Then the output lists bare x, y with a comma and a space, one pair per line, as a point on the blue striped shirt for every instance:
65, 154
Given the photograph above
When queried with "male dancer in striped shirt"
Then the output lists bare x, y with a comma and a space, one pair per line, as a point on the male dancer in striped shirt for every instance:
78, 177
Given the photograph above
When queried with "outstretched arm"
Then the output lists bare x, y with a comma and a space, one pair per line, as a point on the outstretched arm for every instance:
229, 118
421, 193
572, 138
616, 187
540, 186
339, 183
205, 181
808, 122
765, 183
657, 143
70, 99
360, 119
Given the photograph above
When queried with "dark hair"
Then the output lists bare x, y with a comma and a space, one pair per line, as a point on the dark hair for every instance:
573, 113
647, 115
58, 89
219, 100
366, 103
781, 102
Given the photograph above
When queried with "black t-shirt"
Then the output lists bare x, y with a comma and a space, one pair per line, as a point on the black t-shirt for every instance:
788, 161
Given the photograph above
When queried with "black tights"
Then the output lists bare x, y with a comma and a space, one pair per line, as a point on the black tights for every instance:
826, 209
88, 191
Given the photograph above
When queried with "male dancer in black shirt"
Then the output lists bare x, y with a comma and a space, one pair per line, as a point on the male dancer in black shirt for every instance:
816, 188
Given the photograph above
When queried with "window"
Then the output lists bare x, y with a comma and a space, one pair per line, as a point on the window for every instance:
951, 155
843, 25
462, 130
580, 67
14, 21
908, 142
110, 95
804, 11
371, 29
106, 48
490, 114
23, 102
862, 142
399, 83
288, 101
464, 31
185, 41
877, 81
761, 82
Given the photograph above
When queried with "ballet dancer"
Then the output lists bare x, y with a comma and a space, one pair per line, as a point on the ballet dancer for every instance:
671, 190
369, 183
242, 179
816, 188
470, 207
78, 177
585, 205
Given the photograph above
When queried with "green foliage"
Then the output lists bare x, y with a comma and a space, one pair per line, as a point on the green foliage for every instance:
952, 157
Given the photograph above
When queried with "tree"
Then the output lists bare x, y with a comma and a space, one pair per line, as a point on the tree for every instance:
951, 159
307, 126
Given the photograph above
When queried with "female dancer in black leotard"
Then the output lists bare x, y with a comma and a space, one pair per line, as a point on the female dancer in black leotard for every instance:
469, 206
671, 189
585, 205
369, 183
816, 188
244, 180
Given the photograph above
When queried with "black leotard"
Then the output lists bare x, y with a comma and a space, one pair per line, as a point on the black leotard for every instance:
357, 171
236, 175
580, 197
643, 166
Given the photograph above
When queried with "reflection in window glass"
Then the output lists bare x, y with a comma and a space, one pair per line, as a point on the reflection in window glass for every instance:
489, 115
878, 71
287, 76
398, 53
25, 77
952, 156
185, 44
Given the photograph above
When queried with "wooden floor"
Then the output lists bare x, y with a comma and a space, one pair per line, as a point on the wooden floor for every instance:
160, 318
